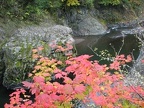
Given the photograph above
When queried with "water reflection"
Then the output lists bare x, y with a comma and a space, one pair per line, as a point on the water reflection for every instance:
127, 44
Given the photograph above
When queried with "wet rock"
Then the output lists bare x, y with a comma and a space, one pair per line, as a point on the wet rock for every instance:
18, 50
137, 30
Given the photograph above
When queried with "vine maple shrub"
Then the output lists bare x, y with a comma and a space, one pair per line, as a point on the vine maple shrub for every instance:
56, 84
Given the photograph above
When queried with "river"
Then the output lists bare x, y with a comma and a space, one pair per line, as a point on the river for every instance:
113, 42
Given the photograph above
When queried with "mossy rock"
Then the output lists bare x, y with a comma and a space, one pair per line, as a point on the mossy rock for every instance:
18, 50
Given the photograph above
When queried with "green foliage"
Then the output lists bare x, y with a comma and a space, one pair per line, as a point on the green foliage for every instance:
48, 4
87, 3
32, 9
110, 2
119, 2
20, 9
72, 2
32, 13
128, 104
136, 2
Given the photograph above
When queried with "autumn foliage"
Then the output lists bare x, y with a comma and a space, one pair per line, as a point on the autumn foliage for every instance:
56, 84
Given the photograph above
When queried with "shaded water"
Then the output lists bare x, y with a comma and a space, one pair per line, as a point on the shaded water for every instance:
127, 44
4, 96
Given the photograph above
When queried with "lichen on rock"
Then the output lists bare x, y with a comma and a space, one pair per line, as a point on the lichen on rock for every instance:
18, 50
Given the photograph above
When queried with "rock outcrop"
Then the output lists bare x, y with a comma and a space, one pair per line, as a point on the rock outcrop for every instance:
18, 50
84, 22
88, 25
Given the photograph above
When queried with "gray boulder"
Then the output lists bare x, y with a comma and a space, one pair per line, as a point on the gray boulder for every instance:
84, 22
18, 50
89, 25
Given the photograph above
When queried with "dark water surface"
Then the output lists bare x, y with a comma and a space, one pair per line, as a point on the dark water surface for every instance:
128, 44
109, 41
4, 96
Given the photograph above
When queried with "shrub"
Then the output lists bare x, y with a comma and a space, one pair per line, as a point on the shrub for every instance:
110, 2
119, 2
56, 84
34, 9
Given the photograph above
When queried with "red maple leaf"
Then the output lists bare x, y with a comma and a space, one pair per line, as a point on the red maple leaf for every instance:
68, 89
58, 75
79, 88
27, 84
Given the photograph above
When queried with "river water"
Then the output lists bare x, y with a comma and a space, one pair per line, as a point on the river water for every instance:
112, 41
4, 96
